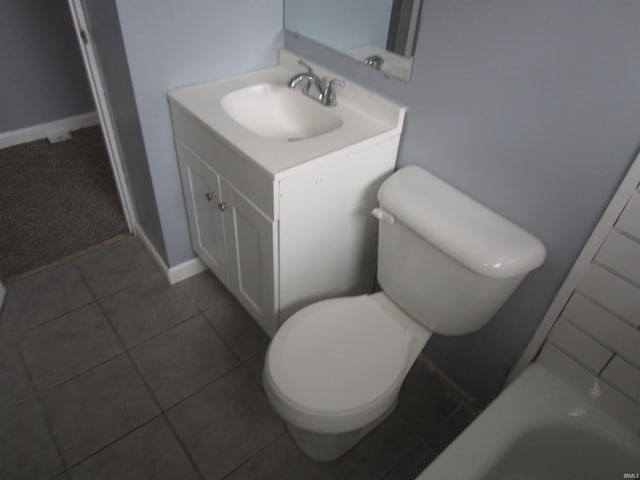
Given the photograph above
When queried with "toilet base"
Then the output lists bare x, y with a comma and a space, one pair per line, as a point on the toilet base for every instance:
324, 447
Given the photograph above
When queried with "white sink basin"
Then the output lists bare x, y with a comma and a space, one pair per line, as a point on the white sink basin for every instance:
278, 112
277, 127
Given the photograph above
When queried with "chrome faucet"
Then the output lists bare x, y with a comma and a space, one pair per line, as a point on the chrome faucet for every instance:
320, 89
309, 78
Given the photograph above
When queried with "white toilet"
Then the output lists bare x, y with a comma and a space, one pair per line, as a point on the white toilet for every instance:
445, 264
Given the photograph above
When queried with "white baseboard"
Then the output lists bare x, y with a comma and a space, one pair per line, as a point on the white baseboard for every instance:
185, 270
44, 130
174, 274
146, 243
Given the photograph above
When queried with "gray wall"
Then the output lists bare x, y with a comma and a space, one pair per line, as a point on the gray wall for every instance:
169, 44
42, 77
531, 108
104, 30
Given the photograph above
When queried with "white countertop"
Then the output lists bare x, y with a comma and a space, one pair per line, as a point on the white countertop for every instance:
366, 117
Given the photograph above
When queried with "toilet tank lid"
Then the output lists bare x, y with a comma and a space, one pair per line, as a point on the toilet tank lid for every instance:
464, 229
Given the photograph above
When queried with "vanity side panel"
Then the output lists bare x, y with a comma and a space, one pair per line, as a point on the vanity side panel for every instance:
328, 238
254, 183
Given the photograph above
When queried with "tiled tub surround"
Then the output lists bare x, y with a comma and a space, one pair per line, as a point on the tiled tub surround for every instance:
106, 371
600, 324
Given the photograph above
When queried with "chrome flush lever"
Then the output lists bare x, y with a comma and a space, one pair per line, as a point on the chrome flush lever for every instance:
383, 216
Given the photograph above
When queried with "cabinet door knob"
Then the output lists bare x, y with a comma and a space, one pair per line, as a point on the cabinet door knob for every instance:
211, 195
223, 206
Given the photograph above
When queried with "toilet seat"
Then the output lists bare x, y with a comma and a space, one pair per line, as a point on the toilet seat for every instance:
337, 364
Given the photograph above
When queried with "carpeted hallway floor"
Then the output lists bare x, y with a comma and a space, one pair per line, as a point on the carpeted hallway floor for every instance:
55, 200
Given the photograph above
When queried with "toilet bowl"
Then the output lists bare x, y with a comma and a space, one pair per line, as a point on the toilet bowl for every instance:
445, 264
335, 368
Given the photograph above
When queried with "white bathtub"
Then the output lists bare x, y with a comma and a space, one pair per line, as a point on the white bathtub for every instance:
556, 421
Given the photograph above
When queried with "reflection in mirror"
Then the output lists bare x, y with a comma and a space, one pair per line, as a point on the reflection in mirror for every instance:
380, 33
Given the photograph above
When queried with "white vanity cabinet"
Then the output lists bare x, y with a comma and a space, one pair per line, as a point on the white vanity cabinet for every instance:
312, 238
231, 236
284, 223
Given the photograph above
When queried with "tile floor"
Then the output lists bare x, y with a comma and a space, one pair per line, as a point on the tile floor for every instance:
107, 372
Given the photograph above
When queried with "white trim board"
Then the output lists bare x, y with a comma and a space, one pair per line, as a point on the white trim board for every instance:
174, 274
605, 224
44, 130
185, 270
98, 88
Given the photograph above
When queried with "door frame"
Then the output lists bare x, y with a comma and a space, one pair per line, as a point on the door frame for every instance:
104, 112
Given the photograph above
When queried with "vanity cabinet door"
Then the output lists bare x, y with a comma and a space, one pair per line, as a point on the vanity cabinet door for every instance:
201, 186
250, 240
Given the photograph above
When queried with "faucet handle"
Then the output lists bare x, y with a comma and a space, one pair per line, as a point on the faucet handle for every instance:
335, 81
305, 65
329, 94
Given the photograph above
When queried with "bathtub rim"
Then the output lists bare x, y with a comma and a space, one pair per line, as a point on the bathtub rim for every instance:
554, 389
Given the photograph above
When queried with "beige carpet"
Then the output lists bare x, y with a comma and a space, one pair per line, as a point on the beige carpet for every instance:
55, 200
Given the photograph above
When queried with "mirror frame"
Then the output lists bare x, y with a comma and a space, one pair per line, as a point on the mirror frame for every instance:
402, 35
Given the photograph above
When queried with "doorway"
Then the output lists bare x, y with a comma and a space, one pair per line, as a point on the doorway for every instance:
57, 199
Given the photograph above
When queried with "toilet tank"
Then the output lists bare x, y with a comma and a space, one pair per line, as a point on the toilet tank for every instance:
445, 259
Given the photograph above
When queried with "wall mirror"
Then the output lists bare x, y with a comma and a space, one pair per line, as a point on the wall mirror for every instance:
379, 33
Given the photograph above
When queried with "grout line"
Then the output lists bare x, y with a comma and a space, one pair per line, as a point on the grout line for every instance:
118, 336
251, 457
20, 335
579, 328
79, 374
125, 351
86, 282
183, 446
155, 400
596, 340
222, 339
624, 233
615, 273
221, 302
107, 445
163, 410
47, 420
209, 383
604, 307
95, 296
613, 355
197, 312
263, 357
157, 334
126, 285
582, 364
67, 259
